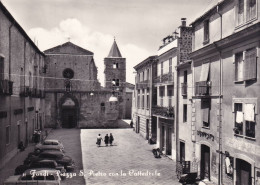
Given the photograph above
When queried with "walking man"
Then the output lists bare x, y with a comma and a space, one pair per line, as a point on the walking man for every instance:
111, 139
106, 139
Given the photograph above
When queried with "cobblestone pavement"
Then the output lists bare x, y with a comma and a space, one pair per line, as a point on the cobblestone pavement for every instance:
115, 164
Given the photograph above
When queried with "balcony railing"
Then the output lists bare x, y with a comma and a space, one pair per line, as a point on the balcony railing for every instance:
203, 88
163, 111
164, 78
143, 84
184, 88
6, 87
24, 91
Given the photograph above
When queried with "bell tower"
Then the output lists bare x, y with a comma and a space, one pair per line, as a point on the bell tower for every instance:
115, 75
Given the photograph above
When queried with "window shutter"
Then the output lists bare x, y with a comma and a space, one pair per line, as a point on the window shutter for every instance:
250, 64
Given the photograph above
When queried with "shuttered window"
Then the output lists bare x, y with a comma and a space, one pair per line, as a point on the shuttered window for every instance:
250, 64
251, 9
240, 16
239, 66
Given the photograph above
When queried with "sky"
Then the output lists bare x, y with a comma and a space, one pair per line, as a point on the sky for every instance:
137, 25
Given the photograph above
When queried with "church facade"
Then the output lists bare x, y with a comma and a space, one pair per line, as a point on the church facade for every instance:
74, 96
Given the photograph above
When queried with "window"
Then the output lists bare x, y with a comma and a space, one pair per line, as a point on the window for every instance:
240, 12
184, 112
2, 68
205, 108
148, 74
245, 115
138, 98
7, 135
206, 31
143, 99
246, 11
115, 65
250, 9
239, 118
239, 66
162, 63
162, 94
250, 129
102, 107
246, 65
68, 73
147, 98
185, 76
117, 82
170, 94
250, 64
170, 65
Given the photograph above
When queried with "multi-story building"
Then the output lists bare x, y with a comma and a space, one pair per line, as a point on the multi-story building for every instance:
225, 102
143, 100
173, 52
22, 71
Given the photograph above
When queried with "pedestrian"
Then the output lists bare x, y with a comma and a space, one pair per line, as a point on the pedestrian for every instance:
131, 124
106, 139
111, 139
99, 138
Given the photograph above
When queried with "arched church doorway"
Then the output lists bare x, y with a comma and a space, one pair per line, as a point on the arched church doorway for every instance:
68, 114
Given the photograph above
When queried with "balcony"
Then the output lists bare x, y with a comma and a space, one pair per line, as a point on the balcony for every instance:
203, 88
143, 84
24, 91
6, 87
163, 111
184, 88
165, 78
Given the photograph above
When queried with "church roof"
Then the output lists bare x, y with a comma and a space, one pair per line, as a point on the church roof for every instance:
114, 51
68, 48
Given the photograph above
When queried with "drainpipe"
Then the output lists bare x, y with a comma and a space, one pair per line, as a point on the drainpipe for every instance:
9, 72
24, 106
220, 174
177, 116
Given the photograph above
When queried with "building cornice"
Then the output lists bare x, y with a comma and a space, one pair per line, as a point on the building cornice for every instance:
238, 37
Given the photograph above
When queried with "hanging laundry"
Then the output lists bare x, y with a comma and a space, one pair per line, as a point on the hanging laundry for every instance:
249, 112
239, 117
227, 161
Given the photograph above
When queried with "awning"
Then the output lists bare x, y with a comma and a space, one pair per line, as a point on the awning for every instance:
2, 55
204, 72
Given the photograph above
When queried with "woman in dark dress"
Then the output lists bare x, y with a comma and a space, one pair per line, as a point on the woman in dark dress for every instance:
111, 139
106, 139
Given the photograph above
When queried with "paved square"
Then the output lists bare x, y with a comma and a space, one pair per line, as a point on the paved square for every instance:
129, 161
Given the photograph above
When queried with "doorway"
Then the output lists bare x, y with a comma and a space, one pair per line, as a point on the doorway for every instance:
205, 162
69, 114
163, 139
169, 141
147, 129
182, 151
243, 172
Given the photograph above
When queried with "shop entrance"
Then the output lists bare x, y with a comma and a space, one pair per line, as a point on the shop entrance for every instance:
243, 172
205, 162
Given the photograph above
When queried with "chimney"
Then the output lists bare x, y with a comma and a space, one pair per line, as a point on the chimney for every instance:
183, 22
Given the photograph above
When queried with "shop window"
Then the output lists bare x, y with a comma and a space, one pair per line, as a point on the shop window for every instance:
205, 108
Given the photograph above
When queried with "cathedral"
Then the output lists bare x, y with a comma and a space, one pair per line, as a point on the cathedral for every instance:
74, 96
